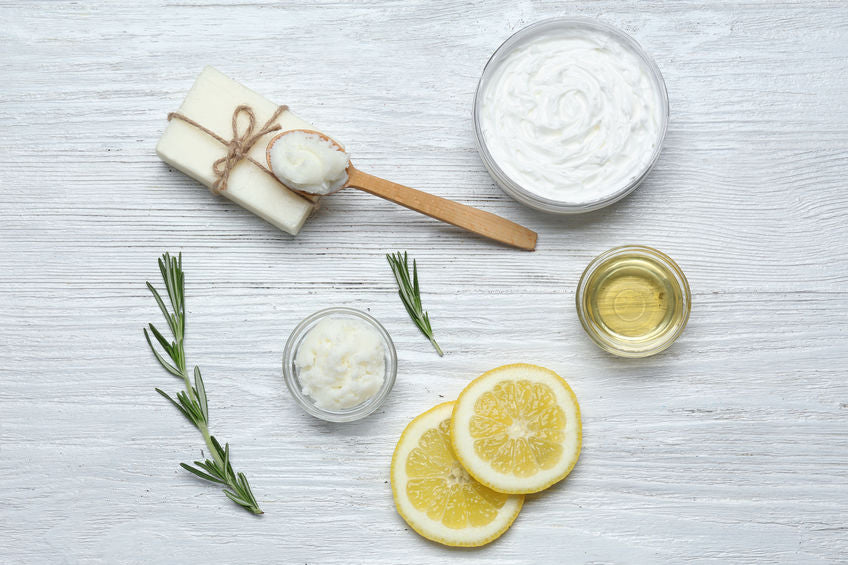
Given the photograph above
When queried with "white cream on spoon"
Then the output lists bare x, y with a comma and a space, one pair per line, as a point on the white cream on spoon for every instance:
309, 162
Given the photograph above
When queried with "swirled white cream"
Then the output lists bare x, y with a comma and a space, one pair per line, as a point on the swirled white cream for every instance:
341, 363
573, 115
308, 162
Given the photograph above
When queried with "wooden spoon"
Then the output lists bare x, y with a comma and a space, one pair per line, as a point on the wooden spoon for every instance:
484, 223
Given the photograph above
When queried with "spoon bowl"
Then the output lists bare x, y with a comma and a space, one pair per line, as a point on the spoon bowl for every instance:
332, 141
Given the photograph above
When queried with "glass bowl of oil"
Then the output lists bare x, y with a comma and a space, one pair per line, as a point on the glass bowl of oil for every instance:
633, 301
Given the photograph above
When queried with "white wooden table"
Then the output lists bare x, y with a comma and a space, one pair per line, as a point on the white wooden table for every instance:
731, 447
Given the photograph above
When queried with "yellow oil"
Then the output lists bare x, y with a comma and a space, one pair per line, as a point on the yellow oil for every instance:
635, 300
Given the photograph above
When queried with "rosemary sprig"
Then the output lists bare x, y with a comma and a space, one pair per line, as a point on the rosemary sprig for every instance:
192, 402
410, 294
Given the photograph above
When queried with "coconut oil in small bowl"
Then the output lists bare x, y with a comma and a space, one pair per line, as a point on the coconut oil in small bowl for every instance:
633, 301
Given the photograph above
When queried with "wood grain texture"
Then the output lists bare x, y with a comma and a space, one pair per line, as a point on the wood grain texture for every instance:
731, 447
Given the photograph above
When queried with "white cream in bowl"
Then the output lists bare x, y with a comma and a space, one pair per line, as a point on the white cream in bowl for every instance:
573, 115
341, 363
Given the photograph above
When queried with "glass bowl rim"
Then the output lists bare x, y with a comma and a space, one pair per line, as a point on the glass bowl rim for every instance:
292, 382
512, 187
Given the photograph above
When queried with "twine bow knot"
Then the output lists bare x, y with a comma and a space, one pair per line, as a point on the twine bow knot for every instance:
240, 144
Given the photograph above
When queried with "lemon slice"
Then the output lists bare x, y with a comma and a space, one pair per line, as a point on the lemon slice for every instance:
435, 495
516, 429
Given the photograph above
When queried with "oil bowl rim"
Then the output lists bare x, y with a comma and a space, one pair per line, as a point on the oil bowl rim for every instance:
593, 330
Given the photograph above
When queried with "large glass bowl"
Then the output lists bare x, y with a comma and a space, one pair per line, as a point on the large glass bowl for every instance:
523, 194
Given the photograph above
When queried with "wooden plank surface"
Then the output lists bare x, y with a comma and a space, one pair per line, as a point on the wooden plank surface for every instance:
731, 447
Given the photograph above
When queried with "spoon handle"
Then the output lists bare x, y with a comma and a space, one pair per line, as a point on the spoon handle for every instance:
462, 216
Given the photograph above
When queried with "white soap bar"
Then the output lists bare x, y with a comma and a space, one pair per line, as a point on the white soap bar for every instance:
211, 103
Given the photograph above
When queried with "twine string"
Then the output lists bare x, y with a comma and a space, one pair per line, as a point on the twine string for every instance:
240, 144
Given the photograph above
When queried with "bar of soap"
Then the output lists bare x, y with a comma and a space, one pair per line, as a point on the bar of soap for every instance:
211, 103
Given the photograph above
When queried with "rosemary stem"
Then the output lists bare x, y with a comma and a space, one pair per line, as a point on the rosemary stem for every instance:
202, 426
207, 437
192, 403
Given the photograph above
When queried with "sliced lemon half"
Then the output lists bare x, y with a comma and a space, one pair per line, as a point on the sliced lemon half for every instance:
516, 429
436, 496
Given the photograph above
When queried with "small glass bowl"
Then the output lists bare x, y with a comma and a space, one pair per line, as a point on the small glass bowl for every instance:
291, 372
632, 347
524, 194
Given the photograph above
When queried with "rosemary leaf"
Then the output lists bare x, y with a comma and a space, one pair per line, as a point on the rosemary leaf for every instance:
208, 465
177, 404
166, 345
235, 498
410, 294
161, 306
200, 390
201, 474
168, 367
